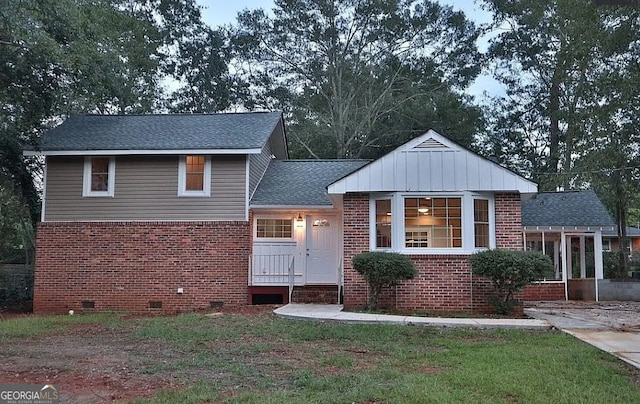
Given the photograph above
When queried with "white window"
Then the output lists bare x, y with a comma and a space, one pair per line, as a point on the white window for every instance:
606, 244
481, 223
431, 224
99, 176
194, 176
274, 228
383, 223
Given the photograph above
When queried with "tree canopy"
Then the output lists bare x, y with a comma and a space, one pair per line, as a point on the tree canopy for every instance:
347, 72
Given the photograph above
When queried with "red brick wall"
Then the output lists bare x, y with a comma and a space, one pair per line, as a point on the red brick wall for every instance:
124, 265
508, 221
543, 291
356, 240
444, 282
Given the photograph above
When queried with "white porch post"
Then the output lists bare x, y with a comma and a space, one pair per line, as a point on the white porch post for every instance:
583, 258
563, 246
557, 245
597, 251
567, 256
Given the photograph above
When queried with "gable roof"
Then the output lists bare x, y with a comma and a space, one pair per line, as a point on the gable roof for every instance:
301, 182
432, 163
570, 208
225, 133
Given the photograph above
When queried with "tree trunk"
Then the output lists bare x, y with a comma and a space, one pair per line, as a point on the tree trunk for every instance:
554, 131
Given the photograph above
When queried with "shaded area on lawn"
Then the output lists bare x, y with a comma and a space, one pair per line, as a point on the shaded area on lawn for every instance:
254, 357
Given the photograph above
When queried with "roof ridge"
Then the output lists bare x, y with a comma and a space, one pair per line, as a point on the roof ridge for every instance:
321, 160
176, 114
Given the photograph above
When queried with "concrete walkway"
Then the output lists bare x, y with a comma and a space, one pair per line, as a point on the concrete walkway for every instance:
334, 312
593, 330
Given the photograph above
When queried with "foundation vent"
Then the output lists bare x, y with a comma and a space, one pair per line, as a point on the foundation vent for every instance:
88, 304
155, 304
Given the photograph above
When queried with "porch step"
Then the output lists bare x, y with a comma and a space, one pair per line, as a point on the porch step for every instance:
325, 294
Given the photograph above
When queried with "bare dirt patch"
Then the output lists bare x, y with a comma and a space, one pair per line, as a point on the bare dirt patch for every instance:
97, 363
90, 364
623, 316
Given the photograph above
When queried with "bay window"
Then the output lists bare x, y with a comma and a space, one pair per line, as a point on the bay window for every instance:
431, 224
481, 222
383, 223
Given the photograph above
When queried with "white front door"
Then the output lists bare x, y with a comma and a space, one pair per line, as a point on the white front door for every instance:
323, 235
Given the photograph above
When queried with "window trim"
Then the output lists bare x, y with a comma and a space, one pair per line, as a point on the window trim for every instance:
398, 226
86, 178
273, 239
374, 223
489, 223
182, 177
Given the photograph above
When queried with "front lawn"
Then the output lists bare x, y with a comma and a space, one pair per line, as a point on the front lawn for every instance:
246, 358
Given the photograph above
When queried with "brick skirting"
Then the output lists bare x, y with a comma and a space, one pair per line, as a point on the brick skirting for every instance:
134, 266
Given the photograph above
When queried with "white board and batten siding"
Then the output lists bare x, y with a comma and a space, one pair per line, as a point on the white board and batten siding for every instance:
432, 163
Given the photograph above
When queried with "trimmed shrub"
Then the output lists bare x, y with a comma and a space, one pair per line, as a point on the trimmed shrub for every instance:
383, 269
509, 272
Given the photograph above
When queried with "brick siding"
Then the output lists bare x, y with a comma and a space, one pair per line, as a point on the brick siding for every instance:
444, 282
125, 265
543, 291
508, 221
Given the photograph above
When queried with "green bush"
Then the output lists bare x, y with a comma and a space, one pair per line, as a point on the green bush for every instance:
611, 265
509, 272
383, 269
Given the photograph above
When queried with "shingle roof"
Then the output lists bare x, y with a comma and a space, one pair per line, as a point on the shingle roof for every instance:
162, 132
631, 232
301, 182
572, 208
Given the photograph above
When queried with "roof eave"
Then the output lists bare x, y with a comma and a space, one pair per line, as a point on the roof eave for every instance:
138, 152
567, 228
290, 207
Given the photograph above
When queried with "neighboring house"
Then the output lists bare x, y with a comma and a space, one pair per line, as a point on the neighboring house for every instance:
183, 212
611, 242
569, 227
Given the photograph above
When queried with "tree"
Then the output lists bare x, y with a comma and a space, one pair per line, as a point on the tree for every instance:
77, 56
546, 55
347, 72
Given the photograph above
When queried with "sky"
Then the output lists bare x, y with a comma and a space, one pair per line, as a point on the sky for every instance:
220, 12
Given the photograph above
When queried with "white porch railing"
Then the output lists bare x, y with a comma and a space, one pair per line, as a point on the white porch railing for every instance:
271, 269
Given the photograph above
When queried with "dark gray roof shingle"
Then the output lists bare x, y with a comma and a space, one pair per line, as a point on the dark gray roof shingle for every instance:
572, 208
301, 182
631, 232
162, 132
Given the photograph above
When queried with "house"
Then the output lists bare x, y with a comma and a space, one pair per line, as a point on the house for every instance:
611, 242
184, 212
569, 227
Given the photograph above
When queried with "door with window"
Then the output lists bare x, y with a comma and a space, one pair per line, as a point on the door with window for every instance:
323, 235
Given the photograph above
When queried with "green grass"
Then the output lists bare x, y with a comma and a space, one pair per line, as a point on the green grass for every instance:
36, 326
319, 362
263, 359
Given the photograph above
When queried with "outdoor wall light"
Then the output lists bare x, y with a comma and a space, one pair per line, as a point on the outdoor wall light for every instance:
299, 220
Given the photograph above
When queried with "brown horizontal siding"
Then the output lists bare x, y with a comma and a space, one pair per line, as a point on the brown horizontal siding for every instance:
146, 188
